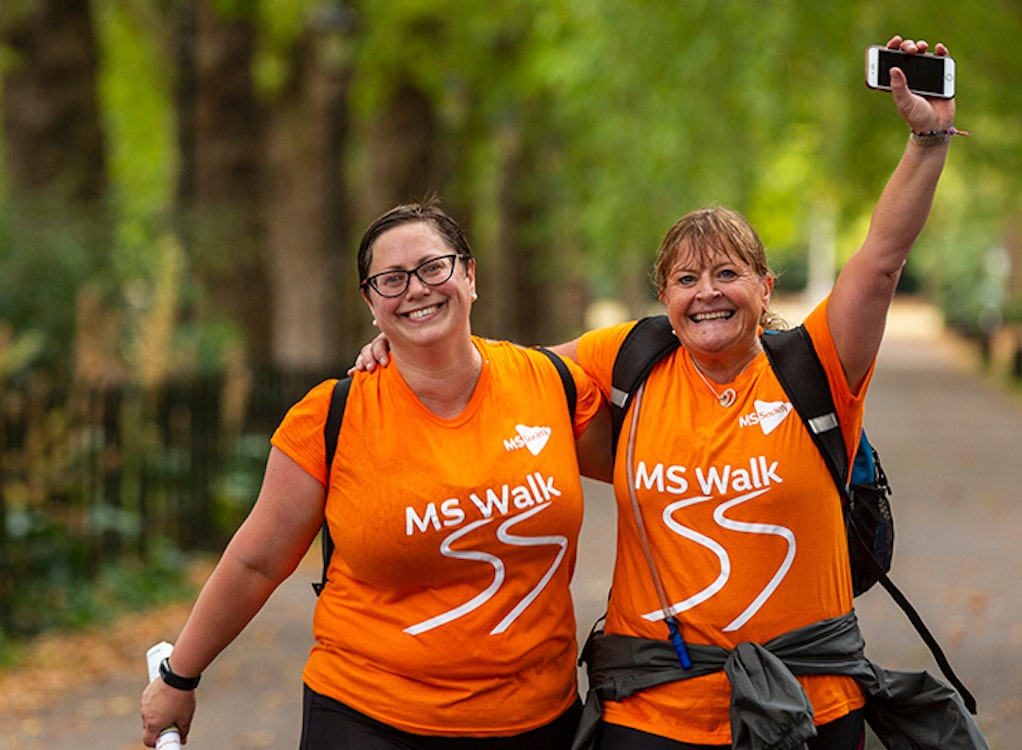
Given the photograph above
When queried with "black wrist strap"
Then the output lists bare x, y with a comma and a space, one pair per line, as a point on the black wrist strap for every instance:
176, 680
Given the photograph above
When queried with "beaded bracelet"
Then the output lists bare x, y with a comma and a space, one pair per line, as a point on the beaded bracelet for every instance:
936, 137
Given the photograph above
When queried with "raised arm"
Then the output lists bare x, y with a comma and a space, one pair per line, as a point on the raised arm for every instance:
865, 287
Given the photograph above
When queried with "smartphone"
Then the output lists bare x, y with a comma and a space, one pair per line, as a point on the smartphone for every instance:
928, 75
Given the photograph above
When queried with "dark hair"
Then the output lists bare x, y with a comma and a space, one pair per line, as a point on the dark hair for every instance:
428, 212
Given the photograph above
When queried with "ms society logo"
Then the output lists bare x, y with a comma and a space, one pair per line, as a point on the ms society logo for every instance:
768, 415
533, 438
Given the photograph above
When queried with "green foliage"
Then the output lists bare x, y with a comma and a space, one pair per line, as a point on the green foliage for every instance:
45, 255
136, 91
89, 482
58, 597
684, 105
237, 486
639, 113
280, 24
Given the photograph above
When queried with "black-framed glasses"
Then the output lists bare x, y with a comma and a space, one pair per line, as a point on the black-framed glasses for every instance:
432, 272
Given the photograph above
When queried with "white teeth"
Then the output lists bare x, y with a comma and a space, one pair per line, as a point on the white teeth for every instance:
699, 318
419, 314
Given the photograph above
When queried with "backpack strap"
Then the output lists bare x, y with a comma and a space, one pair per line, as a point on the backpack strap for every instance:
797, 366
334, 417
570, 392
650, 340
801, 374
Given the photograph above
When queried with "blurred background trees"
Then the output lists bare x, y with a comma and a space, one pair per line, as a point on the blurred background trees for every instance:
184, 182
247, 144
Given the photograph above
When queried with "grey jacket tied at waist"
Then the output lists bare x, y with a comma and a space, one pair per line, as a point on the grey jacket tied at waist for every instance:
769, 708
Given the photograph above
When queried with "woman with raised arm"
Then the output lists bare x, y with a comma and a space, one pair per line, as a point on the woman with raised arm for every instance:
730, 525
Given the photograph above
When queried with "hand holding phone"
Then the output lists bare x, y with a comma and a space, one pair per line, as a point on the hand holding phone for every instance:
928, 75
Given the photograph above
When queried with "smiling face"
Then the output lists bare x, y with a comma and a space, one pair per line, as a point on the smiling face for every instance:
713, 279
423, 315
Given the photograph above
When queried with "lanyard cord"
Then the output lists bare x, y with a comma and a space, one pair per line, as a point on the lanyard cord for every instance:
673, 627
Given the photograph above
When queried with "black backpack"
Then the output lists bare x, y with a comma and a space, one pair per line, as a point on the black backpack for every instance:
869, 525
335, 416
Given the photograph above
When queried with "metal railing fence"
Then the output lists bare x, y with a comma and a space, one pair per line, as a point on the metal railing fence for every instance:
91, 477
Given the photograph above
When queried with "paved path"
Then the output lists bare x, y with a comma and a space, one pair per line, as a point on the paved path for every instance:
950, 443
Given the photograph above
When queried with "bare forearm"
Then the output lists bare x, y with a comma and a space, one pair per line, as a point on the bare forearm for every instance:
232, 596
265, 550
228, 601
862, 294
904, 206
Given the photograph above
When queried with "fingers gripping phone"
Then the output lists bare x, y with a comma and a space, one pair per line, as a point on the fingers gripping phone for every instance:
928, 75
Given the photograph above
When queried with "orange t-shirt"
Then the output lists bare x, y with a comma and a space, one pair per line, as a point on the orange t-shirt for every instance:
448, 610
744, 522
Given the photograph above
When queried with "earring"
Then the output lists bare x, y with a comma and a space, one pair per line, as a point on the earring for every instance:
474, 296
375, 324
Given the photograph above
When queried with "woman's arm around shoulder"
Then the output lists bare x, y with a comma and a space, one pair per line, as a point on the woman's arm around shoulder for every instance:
593, 445
568, 350
595, 459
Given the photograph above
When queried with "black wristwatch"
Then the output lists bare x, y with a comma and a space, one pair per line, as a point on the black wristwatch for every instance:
176, 680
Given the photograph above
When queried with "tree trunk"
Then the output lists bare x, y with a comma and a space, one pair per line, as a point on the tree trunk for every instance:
402, 146
222, 128
531, 284
402, 167
505, 281
312, 258
54, 158
52, 135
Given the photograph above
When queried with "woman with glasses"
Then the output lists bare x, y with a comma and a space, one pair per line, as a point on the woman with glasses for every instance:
455, 503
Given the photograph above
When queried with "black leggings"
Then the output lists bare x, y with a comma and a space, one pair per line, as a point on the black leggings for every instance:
846, 733
328, 724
